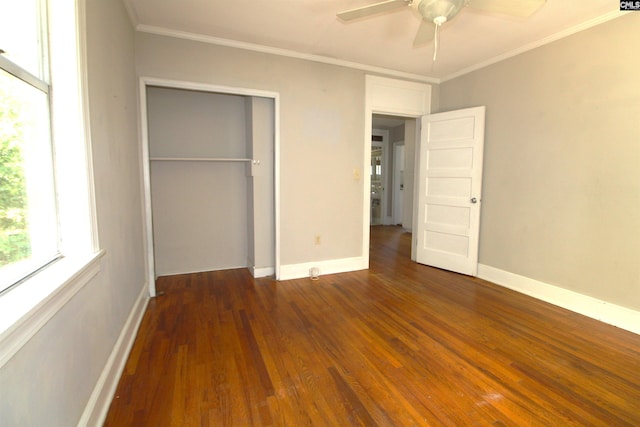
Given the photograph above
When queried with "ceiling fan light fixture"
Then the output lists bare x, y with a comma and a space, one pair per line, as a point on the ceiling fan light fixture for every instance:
440, 11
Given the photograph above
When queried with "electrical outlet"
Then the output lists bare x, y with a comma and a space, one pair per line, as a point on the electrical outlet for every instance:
356, 174
316, 239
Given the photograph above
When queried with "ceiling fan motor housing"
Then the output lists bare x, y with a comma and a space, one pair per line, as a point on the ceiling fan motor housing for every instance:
440, 11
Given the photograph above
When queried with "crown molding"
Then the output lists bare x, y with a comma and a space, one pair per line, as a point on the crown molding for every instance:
364, 67
550, 39
283, 52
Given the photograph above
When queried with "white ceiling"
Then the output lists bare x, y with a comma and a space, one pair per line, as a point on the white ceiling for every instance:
310, 29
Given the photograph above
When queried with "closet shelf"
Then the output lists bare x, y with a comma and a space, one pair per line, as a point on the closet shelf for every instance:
202, 159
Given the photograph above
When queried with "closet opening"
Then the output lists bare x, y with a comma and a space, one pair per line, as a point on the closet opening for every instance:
209, 158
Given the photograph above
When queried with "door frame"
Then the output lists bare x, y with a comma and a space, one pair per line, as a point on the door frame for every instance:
145, 159
396, 98
397, 192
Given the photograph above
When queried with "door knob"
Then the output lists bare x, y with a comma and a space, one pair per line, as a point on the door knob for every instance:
474, 200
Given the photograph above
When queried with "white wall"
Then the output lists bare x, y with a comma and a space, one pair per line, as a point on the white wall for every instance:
199, 208
50, 380
561, 197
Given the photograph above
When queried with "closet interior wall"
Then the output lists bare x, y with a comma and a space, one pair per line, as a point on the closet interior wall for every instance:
260, 120
212, 206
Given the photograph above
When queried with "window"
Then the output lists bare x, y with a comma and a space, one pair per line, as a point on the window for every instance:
28, 214
48, 241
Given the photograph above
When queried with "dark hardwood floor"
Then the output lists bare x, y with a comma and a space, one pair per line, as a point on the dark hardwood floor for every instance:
398, 345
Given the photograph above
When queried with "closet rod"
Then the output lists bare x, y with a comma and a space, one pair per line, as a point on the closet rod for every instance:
202, 159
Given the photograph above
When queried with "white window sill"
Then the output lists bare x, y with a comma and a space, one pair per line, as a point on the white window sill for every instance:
28, 307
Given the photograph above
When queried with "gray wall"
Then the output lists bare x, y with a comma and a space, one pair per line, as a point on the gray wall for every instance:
199, 208
322, 132
561, 196
261, 183
410, 135
49, 381
561, 199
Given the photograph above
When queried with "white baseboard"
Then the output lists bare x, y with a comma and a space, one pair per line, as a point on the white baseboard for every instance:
96, 409
257, 272
343, 265
603, 311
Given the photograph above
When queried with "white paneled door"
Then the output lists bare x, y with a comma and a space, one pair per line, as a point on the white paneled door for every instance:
449, 190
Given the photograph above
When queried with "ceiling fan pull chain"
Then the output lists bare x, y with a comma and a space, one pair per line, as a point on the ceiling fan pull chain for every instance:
437, 21
435, 42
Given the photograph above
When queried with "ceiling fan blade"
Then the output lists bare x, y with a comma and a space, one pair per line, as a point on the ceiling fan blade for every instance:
519, 8
425, 33
361, 12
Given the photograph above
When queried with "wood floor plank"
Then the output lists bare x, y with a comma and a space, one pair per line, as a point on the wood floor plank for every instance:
400, 344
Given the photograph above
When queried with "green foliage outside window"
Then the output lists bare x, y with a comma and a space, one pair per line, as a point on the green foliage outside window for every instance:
14, 235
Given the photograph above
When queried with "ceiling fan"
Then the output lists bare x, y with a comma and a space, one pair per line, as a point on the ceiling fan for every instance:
436, 12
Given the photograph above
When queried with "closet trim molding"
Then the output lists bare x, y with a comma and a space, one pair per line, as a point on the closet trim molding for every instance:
145, 158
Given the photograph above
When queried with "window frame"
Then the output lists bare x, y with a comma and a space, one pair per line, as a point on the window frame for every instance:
43, 85
27, 307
